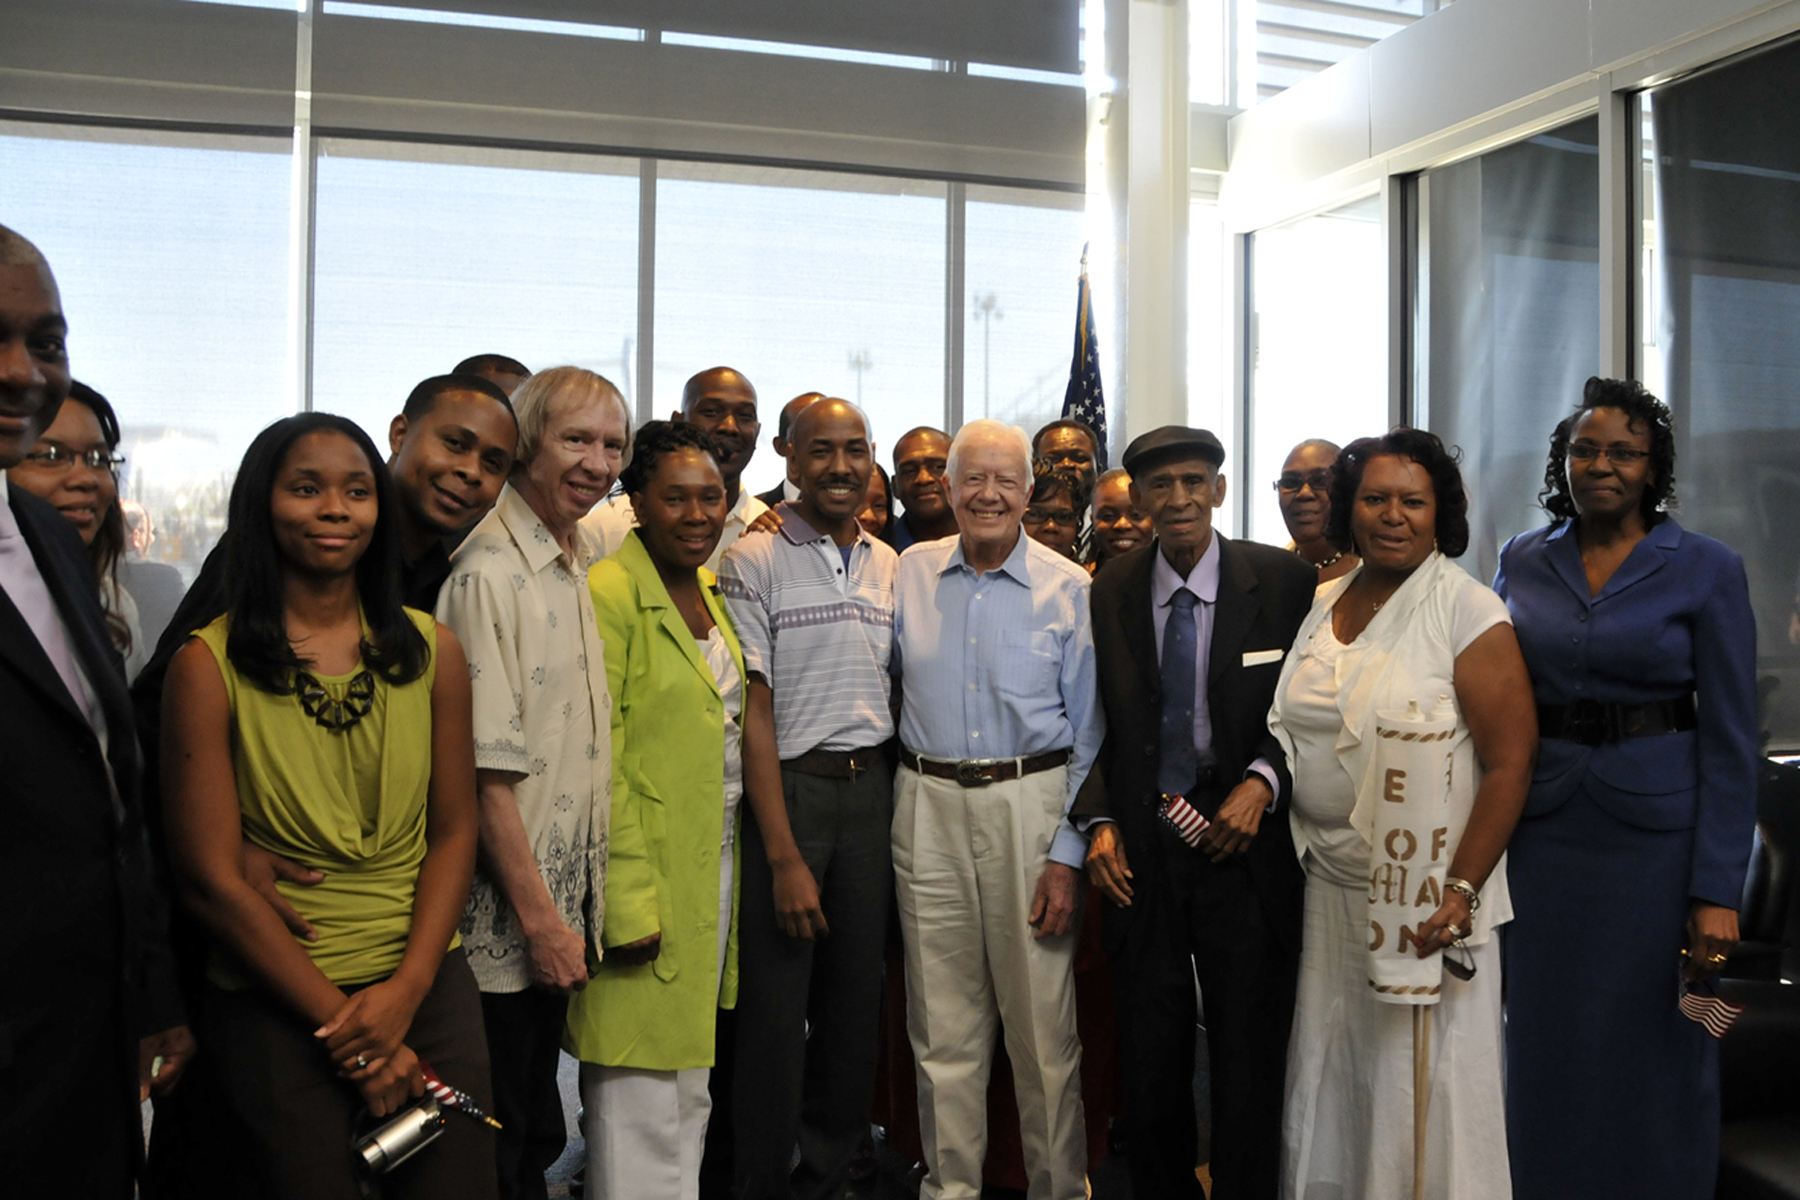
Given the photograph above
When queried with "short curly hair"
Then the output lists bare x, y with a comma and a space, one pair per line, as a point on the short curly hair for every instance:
1047, 480
1422, 447
1643, 412
653, 440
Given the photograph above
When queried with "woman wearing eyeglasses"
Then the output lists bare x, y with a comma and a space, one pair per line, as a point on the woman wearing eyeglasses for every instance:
1629, 860
75, 467
1304, 493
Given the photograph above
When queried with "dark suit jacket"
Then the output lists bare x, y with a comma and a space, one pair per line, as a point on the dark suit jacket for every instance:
1264, 594
83, 940
773, 496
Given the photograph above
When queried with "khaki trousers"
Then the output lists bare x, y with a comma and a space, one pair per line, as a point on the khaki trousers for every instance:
966, 866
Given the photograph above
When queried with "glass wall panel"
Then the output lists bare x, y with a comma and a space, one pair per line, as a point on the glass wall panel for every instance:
1318, 346
425, 255
805, 281
1509, 317
1023, 265
171, 253
1726, 256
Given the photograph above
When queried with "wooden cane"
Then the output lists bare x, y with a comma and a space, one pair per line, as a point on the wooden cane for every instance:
1421, 1092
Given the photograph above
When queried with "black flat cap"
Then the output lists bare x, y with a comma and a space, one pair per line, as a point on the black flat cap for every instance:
1172, 442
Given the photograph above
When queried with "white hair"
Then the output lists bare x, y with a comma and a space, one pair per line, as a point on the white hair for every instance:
988, 430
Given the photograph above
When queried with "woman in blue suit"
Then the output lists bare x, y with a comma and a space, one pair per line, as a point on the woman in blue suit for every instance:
1636, 835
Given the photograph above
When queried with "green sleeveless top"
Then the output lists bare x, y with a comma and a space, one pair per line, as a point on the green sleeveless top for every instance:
350, 803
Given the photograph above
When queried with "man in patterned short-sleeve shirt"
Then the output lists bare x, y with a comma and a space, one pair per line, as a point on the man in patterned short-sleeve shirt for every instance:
517, 597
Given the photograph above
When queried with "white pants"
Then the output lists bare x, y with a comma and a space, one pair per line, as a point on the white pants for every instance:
646, 1130
966, 867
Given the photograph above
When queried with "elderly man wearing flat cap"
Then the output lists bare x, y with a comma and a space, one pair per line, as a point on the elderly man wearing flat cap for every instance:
1187, 818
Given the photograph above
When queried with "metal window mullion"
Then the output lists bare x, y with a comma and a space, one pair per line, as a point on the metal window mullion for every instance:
1396, 232
646, 315
1618, 267
303, 207
955, 258
1243, 269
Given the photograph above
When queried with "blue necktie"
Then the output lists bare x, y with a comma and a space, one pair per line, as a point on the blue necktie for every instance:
1180, 764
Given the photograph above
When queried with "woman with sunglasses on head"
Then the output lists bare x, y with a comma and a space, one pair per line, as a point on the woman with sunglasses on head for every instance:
1629, 862
322, 721
1407, 625
1304, 493
75, 466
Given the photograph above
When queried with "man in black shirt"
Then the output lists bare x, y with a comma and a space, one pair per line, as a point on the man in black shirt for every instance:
452, 447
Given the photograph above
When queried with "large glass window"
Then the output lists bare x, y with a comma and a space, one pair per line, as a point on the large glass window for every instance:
1023, 263
1318, 346
805, 281
171, 253
1509, 316
1725, 272
425, 255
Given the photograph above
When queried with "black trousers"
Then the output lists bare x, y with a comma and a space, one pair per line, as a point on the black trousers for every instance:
524, 1039
300, 1117
1196, 917
795, 1087
68, 1094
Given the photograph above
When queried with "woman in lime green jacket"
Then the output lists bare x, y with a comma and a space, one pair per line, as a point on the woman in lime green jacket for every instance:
643, 1027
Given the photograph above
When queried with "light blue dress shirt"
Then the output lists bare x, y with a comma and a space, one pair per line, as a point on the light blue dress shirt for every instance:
998, 665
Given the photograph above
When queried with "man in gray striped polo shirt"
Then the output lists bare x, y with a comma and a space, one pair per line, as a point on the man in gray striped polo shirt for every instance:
814, 609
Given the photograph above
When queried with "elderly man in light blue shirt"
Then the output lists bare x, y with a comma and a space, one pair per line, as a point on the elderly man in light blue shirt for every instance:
999, 725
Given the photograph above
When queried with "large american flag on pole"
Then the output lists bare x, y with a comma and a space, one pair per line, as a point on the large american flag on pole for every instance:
1084, 400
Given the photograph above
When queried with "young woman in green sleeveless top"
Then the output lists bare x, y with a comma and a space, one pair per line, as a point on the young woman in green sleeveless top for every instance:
320, 720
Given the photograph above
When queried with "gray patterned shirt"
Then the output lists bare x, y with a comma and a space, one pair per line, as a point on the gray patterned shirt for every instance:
537, 669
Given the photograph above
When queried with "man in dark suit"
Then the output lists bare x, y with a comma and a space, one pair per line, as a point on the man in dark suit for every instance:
87, 997
1190, 632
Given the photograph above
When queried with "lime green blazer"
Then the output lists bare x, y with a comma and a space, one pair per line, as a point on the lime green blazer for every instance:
662, 875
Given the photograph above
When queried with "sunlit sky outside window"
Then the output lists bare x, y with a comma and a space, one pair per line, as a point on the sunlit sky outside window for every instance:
427, 255
1024, 261
805, 282
171, 255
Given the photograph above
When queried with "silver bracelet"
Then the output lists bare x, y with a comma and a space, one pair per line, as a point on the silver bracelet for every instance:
1466, 890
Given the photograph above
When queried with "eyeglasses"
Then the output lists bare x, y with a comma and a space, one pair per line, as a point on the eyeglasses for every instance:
1045, 516
1293, 481
61, 458
1619, 456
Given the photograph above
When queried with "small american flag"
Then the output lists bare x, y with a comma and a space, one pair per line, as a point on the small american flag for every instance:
1701, 1002
1084, 400
453, 1098
1184, 819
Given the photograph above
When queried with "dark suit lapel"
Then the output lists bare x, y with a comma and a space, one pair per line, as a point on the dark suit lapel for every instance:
1646, 559
75, 594
18, 644
1564, 552
1235, 612
1138, 623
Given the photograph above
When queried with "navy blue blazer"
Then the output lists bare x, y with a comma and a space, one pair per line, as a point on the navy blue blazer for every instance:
1674, 618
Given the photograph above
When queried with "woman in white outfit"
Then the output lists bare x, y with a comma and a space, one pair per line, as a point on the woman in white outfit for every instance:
1407, 625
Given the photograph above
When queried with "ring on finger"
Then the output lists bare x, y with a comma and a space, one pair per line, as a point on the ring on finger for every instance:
362, 1060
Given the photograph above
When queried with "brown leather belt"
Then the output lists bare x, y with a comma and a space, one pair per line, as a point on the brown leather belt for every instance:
979, 772
836, 764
